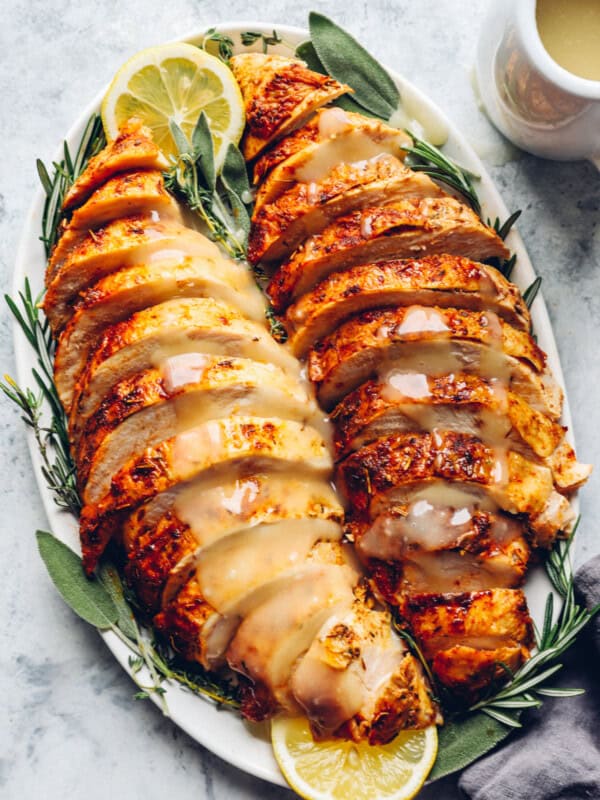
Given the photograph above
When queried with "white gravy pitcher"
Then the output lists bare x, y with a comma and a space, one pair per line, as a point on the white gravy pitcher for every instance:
537, 104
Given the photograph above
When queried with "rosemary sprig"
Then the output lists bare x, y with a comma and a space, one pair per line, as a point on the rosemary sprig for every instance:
531, 292
528, 685
53, 440
425, 157
504, 229
64, 174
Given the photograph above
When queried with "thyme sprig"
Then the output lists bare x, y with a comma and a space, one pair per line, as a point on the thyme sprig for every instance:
248, 38
529, 684
425, 157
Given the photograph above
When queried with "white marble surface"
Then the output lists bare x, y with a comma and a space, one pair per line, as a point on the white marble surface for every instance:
70, 727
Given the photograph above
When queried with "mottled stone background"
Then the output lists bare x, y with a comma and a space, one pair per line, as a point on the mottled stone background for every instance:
69, 726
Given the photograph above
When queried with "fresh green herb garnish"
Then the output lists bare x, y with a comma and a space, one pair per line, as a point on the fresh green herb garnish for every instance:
531, 292
52, 439
248, 38
504, 229
64, 175
223, 44
425, 157
348, 62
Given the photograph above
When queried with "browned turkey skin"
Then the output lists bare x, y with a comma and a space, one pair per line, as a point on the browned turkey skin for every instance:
201, 452
452, 459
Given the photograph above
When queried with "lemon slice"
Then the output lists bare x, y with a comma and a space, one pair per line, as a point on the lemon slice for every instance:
340, 769
175, 81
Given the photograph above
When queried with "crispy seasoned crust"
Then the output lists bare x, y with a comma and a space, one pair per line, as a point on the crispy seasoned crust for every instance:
466, 339
232, 441
466, 636
367, 412
182, 620
133, 149
306, 208
129, 240
179, 326
132, 289
416, 459
443, 281
124, 195
279, 94
406, 228
340, 136
155, 553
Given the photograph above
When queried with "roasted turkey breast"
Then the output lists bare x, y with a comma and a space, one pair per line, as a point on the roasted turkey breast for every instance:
308, 207
408, 228
446, 281
280, 94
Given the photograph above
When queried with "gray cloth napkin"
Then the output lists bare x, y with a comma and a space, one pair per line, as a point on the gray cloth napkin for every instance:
557, 755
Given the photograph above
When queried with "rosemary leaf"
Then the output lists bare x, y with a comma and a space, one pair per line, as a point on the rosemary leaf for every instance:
505, 719
531, 292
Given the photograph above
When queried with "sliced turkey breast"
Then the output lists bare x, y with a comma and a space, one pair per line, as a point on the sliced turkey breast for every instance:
205, 637
263, 444
198, 325
407, 467
132, 289
445, 281
139, 193
436, 341
458, 401
405, 402
195, 389
467, 637
427, 548
133, 149
119, 244
307, 208
145, 395
279, 95
341, 138
276, 633
357, 679
407, 228
164, 531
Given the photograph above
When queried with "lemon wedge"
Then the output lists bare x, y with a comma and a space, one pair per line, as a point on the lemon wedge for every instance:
175, 82
340, 769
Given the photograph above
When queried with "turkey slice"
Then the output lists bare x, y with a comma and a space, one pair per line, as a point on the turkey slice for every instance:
121, 243
406, 228
280, 94
133, 149
308, 207
132, 289
149, 337
446, 281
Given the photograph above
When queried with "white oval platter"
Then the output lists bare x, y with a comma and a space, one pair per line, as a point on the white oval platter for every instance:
224, 733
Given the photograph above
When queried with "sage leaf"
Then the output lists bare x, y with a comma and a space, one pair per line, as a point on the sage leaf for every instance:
348, 62
234, 174
111, 580
306, 51
204, 151
88, 598
183, 146
464, 740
